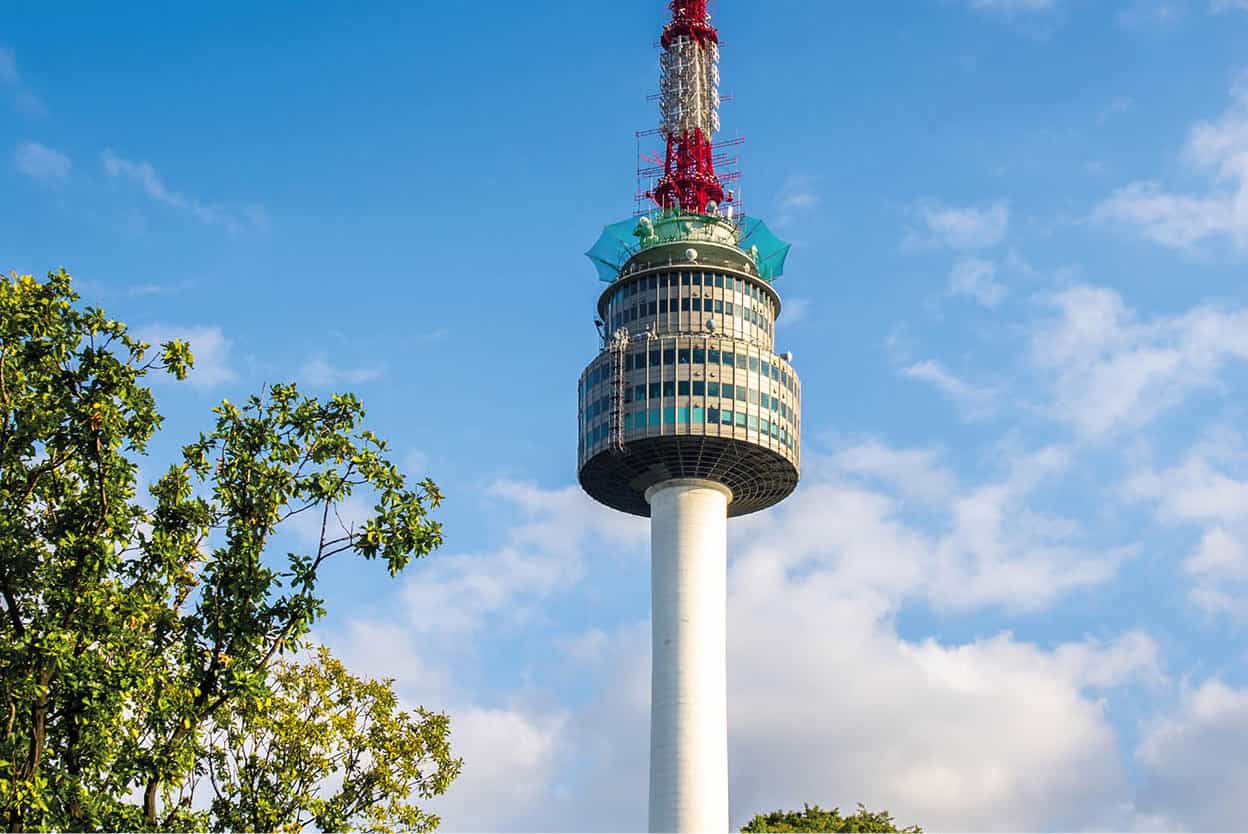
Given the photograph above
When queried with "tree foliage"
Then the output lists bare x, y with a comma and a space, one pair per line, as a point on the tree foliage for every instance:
814, 819
134, 638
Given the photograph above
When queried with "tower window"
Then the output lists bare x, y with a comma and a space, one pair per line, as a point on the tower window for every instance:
699, 388
654, 358
683, 354
699, 356
712, 357
682, 388
655, 390
669, 388
669, 356
727, 391
712, 389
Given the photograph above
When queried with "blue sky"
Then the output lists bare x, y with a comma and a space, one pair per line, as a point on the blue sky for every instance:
1012, 590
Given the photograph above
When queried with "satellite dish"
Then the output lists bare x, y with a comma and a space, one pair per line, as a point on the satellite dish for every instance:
787, 356
691, 254
710, 324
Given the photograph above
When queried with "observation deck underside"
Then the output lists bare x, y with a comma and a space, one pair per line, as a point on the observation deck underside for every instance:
758, 477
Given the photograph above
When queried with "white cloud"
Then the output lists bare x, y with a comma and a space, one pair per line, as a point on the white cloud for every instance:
976, 278
1199, 492
41, 163
1193, 761
1181, 220
978, 402
145, 176
999, 733
541, 557
1218, 6
1110, 371
961, 228
319, 373
213, 362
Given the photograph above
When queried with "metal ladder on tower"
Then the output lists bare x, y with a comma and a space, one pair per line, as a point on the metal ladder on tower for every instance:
619, 350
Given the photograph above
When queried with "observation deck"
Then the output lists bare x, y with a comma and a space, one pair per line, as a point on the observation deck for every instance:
688, 383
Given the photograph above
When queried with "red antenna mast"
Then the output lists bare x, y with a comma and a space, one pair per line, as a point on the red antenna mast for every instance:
689, 105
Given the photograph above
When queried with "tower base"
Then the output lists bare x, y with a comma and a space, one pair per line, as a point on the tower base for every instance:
688, 697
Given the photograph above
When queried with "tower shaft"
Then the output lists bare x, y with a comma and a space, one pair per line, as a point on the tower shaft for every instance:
688, 712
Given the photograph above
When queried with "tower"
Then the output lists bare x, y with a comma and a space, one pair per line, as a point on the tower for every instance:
687, 415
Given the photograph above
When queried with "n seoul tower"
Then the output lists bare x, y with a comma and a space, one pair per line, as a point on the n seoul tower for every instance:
687, 415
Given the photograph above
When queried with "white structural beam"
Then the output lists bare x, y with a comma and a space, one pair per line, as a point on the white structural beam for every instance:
688, 695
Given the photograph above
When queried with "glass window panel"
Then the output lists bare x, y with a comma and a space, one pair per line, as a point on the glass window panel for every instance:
719, 305
699, 356
684, 304
712, 357
662, 280
764, 425
655, 390
729, 282
697, 305
719, 282
684, 279
683, 356
669, 388
753, 423
654, 282
699, 388
712, 415
628, 422
655, 357
766, 366
712, 389
639, 393
669, 356
754, 363
729, 310
653, 308
727, 391
682, 388
697, 279
742, 361
654, 417
669, 415
725, 417
741, 419
728, 359
742, 393
682, 415
698, 415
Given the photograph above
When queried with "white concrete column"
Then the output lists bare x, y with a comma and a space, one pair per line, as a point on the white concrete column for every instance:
688, 688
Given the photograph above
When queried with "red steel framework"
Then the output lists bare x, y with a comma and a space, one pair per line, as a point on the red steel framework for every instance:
689, 182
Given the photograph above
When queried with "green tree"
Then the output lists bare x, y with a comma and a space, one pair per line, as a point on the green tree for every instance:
270, 767
130, 637
814, 819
